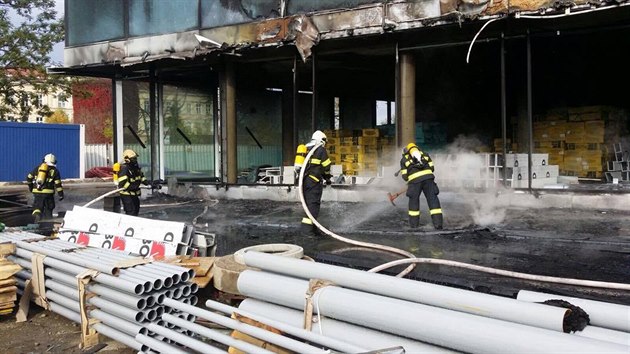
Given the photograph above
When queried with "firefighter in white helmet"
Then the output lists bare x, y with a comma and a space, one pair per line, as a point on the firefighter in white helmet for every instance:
130, 177
43, 182
317, 172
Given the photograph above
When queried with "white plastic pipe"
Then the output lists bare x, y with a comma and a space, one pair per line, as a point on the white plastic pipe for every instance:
602, 314
215, 335
159, 346
605, 334
114, 282
118, 323
451, 329
430, 294
294, 331
107, 293
68, 257
184, 340
253, 331
119, 336
333, 329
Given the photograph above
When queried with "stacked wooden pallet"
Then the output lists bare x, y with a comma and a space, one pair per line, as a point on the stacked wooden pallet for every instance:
8, 288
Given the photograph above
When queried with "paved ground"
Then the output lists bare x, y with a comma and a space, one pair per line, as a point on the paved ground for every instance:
589, 244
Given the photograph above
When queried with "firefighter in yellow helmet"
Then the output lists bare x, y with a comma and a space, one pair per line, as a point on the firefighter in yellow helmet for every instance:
317, 172
416, 168
130, 177
43, 182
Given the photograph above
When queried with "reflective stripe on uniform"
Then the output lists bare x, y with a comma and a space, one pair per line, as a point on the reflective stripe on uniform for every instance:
404, 171
435, 211
44, 191
36, 211
123, 178
307, 221
314, 178
419, 174
316, 161
431, 164
326, 163
414, 212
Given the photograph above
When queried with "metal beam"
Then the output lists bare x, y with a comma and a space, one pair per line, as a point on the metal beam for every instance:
530, 114
503, 110
407, 84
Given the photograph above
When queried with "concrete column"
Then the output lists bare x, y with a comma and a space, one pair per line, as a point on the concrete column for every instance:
229, 115
117, 99
155, 131
288, 128
407, 83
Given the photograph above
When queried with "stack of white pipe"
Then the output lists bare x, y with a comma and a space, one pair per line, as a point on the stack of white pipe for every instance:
129, 302
436, 315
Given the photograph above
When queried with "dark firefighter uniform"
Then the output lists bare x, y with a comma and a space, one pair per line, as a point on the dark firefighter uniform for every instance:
317, 171
416, 168
43, 182
130, 177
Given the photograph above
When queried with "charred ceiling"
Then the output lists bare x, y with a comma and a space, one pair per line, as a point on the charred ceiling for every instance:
257, 25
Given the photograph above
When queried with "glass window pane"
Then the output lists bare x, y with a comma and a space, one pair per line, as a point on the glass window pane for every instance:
259, 116
160, 17
228, 12
92, 21
188, 134
136, 123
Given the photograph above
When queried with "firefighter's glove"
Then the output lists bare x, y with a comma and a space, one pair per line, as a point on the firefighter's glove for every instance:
328, 182
61, 195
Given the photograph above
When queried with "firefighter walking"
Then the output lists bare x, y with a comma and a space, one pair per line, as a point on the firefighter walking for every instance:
130, 177
43, 182
416, 168
316, 173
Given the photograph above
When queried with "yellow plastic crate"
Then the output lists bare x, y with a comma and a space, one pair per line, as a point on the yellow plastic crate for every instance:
370, 132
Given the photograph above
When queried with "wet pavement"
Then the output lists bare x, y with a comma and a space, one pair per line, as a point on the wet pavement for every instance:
586, 244
581, 244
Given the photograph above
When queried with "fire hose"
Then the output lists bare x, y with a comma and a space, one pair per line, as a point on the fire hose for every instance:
412, 260
102, 196
344, 239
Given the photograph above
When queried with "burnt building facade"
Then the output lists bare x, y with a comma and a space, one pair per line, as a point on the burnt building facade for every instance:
223, 85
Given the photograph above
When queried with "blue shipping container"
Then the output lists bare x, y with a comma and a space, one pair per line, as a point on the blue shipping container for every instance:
23, 146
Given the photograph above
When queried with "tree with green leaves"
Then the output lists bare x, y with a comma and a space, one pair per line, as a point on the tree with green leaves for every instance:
58, 117
28, 31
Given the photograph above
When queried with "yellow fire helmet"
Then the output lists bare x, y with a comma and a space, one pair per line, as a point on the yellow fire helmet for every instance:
129, 154
409, 146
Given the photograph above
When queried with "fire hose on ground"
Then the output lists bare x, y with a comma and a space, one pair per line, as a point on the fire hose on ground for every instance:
413, 260
344, 239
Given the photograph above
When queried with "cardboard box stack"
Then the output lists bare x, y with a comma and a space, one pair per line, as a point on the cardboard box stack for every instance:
576, 138
357, 151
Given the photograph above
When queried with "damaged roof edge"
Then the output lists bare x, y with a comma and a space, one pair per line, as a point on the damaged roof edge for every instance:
306, 31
